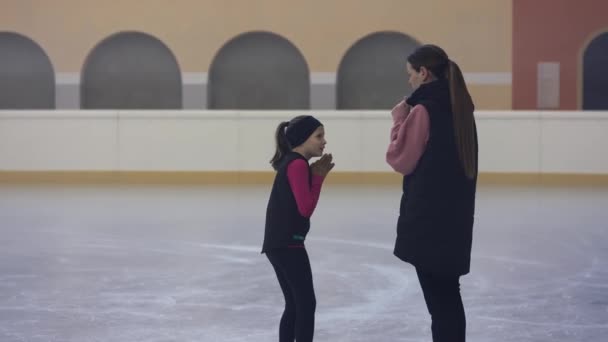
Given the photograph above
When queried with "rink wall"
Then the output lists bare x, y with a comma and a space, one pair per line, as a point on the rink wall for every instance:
235, 146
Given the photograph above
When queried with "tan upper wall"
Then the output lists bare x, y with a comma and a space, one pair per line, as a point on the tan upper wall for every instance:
476, 33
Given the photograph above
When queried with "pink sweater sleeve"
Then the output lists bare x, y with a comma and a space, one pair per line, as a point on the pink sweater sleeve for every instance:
306, 196
409, 136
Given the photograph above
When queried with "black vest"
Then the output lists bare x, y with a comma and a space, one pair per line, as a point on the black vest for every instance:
435, 226
284, 223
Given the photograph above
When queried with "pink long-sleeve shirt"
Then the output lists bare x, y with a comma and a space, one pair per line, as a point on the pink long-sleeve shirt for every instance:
409, 136
306, 195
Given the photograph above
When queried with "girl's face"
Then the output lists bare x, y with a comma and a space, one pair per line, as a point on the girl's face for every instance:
315, 144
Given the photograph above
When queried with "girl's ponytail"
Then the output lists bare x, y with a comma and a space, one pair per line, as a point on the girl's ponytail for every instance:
282, 145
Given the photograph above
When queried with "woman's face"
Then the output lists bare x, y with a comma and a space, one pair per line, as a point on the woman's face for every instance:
416, 78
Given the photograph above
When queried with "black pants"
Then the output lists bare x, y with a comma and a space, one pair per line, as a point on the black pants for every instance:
442, 296
295, 277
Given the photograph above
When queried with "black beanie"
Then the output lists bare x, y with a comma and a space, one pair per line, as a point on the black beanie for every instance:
298, 132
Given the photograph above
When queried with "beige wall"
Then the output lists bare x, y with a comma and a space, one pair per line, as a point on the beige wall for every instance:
490, 97
476, 33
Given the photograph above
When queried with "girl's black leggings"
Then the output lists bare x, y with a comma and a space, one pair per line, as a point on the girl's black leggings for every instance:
295, 277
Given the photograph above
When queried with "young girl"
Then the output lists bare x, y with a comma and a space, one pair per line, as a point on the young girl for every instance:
293, 198
434, 145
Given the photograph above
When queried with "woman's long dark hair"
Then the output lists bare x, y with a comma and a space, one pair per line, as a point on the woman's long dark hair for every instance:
434, 59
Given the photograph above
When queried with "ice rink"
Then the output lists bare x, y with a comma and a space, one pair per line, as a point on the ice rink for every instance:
182, 263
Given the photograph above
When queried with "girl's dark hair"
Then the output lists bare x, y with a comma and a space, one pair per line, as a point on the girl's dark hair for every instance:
435, 60
282, 144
